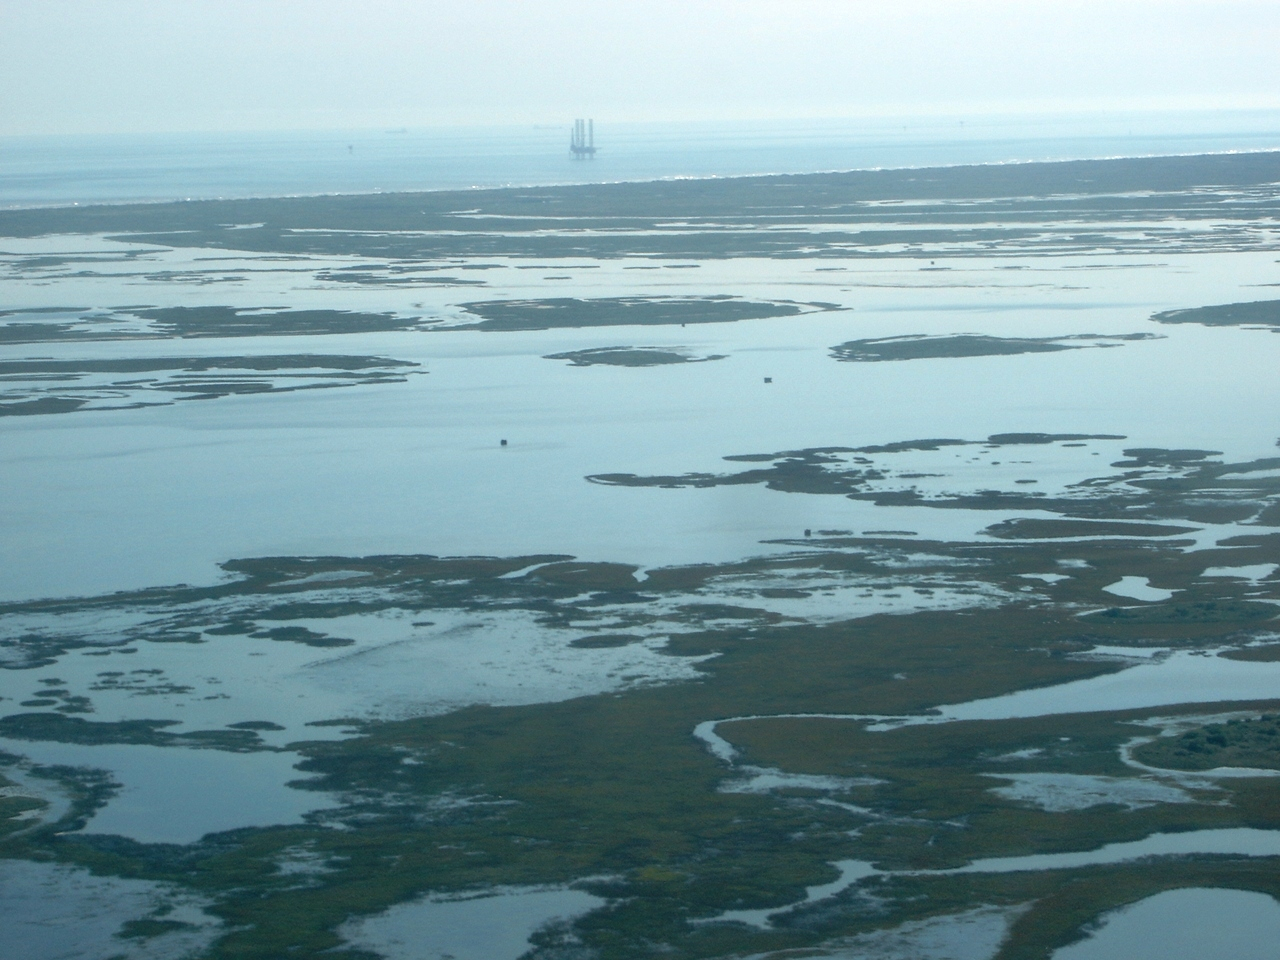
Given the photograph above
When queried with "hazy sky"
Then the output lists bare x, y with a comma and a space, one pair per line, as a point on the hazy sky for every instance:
69, 66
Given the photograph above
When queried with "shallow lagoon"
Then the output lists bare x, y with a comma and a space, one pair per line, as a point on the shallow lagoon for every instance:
250, 463
53, 912
1180, 677
495, 926
168, 795
1172, 926
133, 499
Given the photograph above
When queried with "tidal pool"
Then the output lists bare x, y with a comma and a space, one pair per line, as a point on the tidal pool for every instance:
178, 795
1191, 924
53, 911
1252, 571
393, 664
1137, 588
1179, 677
495, 925
1236, 841
1058, 792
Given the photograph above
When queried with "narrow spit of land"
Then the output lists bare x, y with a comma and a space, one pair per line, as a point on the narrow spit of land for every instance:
960, 210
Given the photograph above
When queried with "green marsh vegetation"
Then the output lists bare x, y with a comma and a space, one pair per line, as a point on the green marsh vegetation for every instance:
615, 786
184, 322
1262, 653
1260, 313
953, 212
554, 313
122, 323
1239, 742
1153, 485
628, 357
30, 387
958, 345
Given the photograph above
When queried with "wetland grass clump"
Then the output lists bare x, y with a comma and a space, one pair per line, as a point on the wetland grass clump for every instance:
1156, 485
1034, 528
34, 387
60, 728
628, 357
186, 322
303, 635
961, 345
1203, 611
1261, 653
1239, 742
567, 312
1261, 313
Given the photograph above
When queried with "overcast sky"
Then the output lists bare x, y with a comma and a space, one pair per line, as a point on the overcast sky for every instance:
78, 66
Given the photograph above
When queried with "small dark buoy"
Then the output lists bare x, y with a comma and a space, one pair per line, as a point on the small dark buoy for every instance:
808, 532
768, 379
503, 442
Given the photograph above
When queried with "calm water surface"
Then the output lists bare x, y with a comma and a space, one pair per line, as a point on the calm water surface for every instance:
38, 171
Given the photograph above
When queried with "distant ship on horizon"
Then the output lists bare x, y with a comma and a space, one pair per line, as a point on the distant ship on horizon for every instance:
582, 142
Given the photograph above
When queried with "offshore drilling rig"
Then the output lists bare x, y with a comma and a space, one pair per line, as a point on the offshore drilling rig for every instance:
582, 142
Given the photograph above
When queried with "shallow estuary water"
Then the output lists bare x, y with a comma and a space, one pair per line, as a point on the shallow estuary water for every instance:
53, 912
162, 494
1174, 926
178, 796
495, 926
193, 698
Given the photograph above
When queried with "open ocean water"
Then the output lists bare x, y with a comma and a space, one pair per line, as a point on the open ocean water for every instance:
41, 171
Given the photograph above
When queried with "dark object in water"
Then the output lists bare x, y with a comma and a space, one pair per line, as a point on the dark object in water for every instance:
502, 442
768, 379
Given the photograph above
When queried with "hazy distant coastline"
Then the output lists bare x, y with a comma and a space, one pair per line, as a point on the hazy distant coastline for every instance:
54, 171
629, 219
